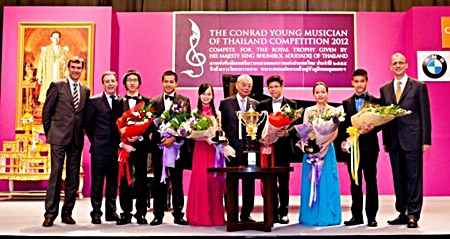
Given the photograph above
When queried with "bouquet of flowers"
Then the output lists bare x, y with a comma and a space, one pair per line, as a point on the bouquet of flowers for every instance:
203, 127
369, 116
133, 122
173, 122
279, 121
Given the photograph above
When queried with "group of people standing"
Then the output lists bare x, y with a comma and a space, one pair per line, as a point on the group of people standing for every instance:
69, 110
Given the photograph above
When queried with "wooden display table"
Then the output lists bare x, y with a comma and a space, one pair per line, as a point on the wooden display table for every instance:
233, 174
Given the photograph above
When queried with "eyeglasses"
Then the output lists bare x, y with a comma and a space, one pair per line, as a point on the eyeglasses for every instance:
132, 80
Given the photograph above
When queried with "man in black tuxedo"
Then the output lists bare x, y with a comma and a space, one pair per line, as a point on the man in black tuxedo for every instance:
62, 118
138, 147
406, 139
161, 103
368, 151
100, 126
283, 148
230, 125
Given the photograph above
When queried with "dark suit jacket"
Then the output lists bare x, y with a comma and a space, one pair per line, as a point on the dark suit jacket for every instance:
100, 126
412, 130
123, 107
230, 124
368, 141
284, 147
186, 149
61, 121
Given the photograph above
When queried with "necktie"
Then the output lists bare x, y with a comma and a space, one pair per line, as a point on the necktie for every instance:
243, 106
168, 97
76, 98
113, 102
131, 97
398, 91
277, 100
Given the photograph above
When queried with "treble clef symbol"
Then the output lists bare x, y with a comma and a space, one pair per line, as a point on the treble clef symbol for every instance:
192, 57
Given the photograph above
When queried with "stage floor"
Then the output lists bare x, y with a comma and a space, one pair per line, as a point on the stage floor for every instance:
24, 217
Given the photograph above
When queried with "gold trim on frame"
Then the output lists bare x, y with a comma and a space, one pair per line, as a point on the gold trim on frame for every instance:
77, 39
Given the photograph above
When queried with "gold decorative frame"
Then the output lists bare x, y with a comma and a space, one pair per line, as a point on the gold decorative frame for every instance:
77, 39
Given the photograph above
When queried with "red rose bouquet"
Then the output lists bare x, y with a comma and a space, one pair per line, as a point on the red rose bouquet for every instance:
133, 122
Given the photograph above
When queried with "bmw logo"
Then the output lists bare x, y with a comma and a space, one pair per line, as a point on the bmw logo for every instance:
434, 66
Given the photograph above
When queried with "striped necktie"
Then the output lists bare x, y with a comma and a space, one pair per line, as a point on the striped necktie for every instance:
76, 97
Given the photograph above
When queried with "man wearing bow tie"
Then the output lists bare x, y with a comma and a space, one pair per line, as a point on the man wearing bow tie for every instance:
100, 125
368, 148
161, 103
283, 149
138, 147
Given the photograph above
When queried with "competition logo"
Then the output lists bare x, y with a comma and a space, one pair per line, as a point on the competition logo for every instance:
434, 66
193, 58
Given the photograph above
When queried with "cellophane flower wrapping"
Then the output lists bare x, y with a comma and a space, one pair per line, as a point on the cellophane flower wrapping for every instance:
203, 127
323, 124
175, 121
279, 121
377, 115
133, 122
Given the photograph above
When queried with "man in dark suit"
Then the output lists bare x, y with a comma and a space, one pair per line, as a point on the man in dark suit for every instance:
368, 151
100, 125
138, 147
161, 103
62, 118
406, 139
232, 126
283, 148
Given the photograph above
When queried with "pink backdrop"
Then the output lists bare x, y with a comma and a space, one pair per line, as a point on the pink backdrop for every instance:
143, 41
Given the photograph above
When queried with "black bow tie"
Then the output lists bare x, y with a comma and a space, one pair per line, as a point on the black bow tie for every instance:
169, 97
131, 97
277, 100
360, 96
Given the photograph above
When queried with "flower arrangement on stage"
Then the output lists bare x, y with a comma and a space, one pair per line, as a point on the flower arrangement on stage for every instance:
133, 122
370, 116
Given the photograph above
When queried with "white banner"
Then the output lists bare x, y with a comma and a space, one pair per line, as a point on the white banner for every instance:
433, 65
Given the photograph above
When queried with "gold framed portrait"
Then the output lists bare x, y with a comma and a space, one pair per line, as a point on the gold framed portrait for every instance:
44, 52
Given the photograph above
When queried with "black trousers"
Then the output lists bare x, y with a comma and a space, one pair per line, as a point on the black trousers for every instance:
159, 189
138, 189
368, 167
71, 183
103, 167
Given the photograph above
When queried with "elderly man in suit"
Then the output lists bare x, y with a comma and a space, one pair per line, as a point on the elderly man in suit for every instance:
138, 147
406, 139
283, 148
100, 125
62, 118
368, 148
230, 125
161, 103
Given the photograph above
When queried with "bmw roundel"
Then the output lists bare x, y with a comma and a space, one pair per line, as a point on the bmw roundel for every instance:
434, 66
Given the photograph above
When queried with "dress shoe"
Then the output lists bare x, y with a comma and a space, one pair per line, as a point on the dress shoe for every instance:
124, 219
247, 219
398, 221
276, 219
140, 220
412, 223
284, 220
180, 221
353, 221
372, 223
112, 217
156, 221
96, 220
67, 219
48, 222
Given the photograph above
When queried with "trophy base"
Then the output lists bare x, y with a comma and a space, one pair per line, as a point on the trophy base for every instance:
252, 159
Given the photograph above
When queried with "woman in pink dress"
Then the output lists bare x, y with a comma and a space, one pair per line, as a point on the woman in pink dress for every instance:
206, 190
